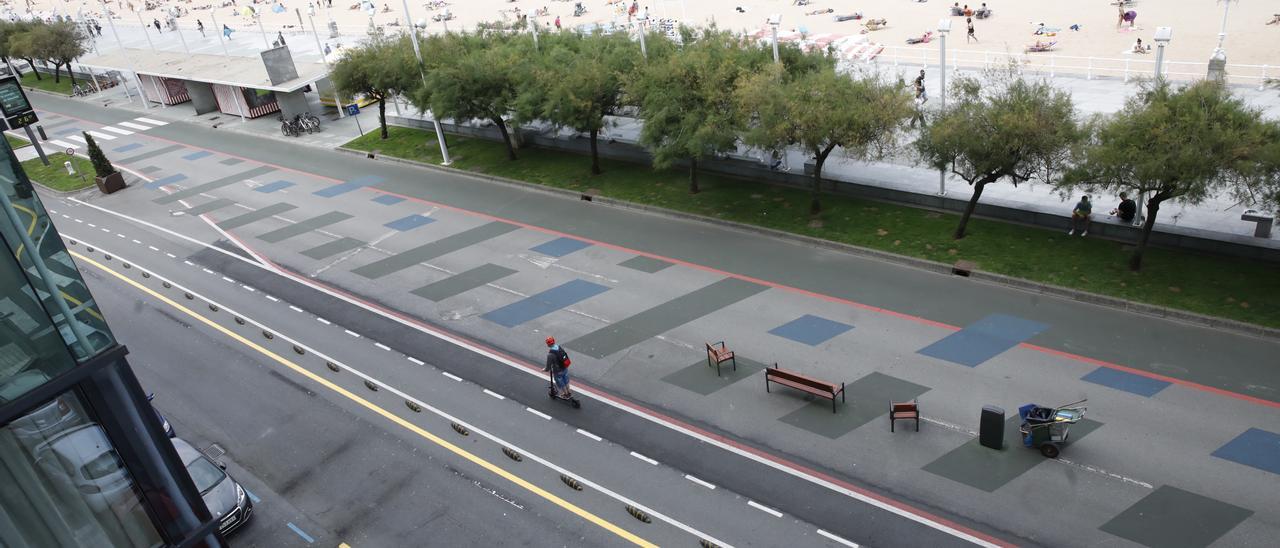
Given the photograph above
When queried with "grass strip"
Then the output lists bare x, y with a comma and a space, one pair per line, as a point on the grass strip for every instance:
55, 174
16, 142
1248, 291
46, 83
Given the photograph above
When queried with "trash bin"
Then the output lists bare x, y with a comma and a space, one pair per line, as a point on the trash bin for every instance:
1264, 220
991, 427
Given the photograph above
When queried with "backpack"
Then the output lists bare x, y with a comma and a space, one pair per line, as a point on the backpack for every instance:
563, 357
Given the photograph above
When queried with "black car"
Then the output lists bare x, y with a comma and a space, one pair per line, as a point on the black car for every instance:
227, 500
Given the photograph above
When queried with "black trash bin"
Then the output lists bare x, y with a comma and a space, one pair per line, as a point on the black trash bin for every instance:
991, 427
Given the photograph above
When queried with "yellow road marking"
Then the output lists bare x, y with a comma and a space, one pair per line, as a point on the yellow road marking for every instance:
495, 469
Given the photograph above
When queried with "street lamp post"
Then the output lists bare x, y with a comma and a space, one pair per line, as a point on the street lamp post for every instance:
1162, 37
944, 27
775, 21
217, 29
644, 51
112, 23
417, 53
145, 32
336, 98
265, 43
1218, 61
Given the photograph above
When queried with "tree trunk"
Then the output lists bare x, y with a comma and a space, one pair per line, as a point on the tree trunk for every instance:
57, 73
968, 210
506, 139
693, 175
1135, 259
595, 154
815, 205
33, 68
382, 117
10, 64
71, 74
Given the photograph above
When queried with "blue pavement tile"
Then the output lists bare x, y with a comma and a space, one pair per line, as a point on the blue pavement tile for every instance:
387, 199
1128, 382
343, 188
167, 180
128, 147
197, 155
1257, 448
560, 247
274, 186
409, 223
983, 339
551, 300
810, 330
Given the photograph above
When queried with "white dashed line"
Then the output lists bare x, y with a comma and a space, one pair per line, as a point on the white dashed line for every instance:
65, 216
188, 263
538, 413
451, 376
294, 308
118, 235
272, 299
644, 458
352, 333
590, 435
228, 280
699, 482
415, 360
838, 539
136, 242
207, 271
382, 346
324, 321
107, 230
249, 289
764, 509
77, 220
171, 256
91, 225
153, 248
494, 394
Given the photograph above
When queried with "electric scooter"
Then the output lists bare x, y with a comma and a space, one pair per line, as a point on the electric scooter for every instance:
553, 393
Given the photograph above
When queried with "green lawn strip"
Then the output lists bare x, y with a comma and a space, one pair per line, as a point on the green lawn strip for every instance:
16, 142
55, 175
46, 82
1247, 291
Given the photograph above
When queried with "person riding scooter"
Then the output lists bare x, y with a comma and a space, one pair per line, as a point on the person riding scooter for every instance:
558, 364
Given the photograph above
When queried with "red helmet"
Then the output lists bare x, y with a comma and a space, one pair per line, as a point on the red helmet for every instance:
551, 341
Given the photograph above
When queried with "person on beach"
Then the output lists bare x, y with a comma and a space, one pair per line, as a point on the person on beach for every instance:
226, 32
156, 24
200, 27
1275, 20
970, 36
557, 22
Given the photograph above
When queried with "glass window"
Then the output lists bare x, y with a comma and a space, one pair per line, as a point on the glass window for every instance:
62, 483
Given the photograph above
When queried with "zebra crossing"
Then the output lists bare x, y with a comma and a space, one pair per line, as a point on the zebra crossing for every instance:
140, 123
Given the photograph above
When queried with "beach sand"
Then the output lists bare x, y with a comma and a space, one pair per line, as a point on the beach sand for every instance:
1195, 23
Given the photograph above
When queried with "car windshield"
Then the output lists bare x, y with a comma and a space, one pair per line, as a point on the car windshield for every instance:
205, 474
104, 465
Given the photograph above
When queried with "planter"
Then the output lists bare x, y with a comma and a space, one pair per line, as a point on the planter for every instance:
110, 183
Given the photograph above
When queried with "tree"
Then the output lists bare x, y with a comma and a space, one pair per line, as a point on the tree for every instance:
687, 101
1183, 145
474, 76
60, 43
1001, 128
822, 110
378, 70
101, 165
25, 45
577, 81
7, 30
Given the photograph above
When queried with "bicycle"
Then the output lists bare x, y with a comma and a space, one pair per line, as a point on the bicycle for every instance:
290, 128
309, 122
81, 91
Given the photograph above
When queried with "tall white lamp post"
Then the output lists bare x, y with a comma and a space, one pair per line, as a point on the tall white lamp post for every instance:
1162, 37
775, 21
417, 53
1218, 61
944, 27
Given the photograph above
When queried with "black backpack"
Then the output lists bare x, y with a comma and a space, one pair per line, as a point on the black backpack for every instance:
563, 357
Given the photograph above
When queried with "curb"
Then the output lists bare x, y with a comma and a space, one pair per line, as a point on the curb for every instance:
1030, 286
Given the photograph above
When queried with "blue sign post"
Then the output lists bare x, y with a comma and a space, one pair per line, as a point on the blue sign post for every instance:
353, 109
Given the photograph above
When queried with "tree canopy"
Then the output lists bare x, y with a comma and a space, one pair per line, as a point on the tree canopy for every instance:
379, 70
474, 76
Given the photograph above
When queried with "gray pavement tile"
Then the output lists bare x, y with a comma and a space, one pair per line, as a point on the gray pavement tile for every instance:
867, 399
1172, 517
256, 215
426, 252
988, 469
304, 226
208, 206
333, 248
149, 154
230, 161
462, 282
59, 123
701, 378
645, 264
213, 185
149, 169
664, 317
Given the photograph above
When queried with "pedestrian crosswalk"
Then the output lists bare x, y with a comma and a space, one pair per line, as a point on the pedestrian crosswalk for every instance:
132, 125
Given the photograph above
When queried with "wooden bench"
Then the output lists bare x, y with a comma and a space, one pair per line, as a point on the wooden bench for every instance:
718, 353
904, 411
806, 384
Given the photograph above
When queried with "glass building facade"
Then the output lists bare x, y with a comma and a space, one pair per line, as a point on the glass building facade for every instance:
83, 458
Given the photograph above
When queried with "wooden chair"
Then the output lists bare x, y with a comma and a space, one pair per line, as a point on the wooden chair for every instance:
718, 353
904, 411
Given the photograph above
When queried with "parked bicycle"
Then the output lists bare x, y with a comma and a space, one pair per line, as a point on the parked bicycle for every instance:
78, 90
300, 123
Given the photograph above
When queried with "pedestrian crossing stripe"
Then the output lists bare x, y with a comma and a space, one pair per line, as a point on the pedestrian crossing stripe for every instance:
61, 144
150, 121
117, 130
103, 136
78, 139
139, 127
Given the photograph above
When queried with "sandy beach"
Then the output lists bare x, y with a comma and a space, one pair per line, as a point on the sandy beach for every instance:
1195, 23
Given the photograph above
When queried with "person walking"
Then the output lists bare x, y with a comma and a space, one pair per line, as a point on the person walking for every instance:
226, 31
970, 36
557, 22
280, 37
156, 23
200, 27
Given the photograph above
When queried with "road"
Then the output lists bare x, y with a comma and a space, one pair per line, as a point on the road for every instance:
382, 266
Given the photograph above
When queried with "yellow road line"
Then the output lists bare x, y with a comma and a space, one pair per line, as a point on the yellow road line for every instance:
495, 469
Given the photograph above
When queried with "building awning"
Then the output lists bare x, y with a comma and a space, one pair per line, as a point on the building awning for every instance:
245, 72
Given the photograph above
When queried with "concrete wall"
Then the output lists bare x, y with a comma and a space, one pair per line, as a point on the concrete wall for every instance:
202, 98
292, 104
1165, 236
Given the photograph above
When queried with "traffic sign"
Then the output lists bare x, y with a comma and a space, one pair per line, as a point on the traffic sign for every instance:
353, 109
71, 152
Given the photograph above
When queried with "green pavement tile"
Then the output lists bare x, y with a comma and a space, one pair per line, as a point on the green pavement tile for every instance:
645, 264
867, 400
988, 469
213, 185
701, 378
208, 206
1172, 517
462, 282
256, 215
427, 252
304, 226
660, 319
333, 248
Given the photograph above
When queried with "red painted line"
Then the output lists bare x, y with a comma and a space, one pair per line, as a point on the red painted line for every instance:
774, 285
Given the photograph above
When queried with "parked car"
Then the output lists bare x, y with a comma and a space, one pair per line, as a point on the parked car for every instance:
45, 421
168, 428
226, 499
84, 456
